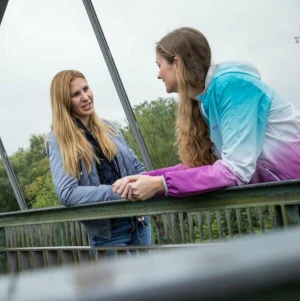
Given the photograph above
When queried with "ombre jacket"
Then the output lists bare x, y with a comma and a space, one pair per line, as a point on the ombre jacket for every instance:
256, 134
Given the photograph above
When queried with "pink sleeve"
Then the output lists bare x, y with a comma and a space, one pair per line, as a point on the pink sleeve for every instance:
185, 182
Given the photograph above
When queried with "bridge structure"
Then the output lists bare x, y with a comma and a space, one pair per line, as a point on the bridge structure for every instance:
236, 243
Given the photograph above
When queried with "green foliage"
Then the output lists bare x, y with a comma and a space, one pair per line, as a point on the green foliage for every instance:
31, 167
217, 225
156, 120
41, 192
8, 201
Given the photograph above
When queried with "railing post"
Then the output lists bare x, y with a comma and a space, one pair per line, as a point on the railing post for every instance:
3, 254
287, 215
290, 215
62, 235
279, 216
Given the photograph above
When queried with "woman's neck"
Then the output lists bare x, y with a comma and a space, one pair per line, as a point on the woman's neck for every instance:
85, 120
193, 92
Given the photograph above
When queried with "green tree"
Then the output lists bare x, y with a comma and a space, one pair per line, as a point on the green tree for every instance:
40, 193
8, 202
29, 165
156, 120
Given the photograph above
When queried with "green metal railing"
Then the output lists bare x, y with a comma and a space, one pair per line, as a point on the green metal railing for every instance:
265, 267
211, 217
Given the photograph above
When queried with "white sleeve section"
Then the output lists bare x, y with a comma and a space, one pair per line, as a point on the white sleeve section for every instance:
165, 185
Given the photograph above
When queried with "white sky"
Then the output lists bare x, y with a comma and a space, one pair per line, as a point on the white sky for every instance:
39, 38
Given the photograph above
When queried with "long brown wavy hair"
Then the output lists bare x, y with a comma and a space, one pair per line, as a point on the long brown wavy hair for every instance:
72, 140
192, 50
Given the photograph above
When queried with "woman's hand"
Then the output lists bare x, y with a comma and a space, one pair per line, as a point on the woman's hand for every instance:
121, 186
138, 187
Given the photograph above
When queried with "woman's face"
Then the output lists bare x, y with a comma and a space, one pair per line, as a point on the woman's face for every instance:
167, 73
82, 100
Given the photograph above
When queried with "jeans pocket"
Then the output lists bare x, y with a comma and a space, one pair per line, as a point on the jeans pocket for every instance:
146, 221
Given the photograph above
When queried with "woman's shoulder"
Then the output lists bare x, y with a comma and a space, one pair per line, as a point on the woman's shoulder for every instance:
110, 123
51, 142
236, 72
112, 126
50, 137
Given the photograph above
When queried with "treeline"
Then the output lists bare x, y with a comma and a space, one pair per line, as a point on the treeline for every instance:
31, 166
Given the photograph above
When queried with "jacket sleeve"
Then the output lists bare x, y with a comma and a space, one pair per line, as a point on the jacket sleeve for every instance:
199, 179
242, 111
138, 165
67, 187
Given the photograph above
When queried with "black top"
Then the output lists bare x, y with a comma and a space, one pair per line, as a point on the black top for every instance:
108, 171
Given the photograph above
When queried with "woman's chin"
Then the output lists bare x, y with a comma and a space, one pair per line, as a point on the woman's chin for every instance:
168, 90
171, 90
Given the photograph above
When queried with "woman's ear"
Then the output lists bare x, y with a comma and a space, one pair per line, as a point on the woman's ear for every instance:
176, 62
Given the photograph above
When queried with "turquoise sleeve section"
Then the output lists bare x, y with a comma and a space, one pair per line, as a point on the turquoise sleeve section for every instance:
242, 109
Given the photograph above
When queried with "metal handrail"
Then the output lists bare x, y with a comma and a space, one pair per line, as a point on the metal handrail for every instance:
266, 194
259, 268
20, 232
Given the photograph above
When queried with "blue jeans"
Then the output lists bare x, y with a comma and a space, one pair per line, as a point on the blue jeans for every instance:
127, 231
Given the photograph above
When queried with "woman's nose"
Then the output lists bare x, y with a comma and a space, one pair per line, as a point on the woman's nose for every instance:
84, 96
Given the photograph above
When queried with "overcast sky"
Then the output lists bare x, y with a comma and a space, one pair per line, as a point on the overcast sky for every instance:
40, 38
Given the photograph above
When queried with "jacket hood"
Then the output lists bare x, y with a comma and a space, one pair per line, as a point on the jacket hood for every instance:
230, 67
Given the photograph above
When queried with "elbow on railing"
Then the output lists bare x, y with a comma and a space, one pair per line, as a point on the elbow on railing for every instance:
66, 198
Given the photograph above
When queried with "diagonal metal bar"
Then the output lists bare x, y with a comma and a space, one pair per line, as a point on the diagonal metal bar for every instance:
118, 83
3, 5
11, 175
12, 178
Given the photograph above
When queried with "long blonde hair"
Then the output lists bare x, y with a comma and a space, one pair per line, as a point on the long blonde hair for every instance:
192, 50
72, 141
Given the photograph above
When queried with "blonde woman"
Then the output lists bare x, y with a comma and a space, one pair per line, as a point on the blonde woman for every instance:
87, 155
232, 128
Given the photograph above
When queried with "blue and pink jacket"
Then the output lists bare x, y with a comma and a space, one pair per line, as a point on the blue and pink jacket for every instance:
256, 134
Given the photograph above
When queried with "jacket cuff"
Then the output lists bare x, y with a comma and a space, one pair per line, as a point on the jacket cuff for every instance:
165, 185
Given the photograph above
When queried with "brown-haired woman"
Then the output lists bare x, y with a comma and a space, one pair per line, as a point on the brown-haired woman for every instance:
232, 129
